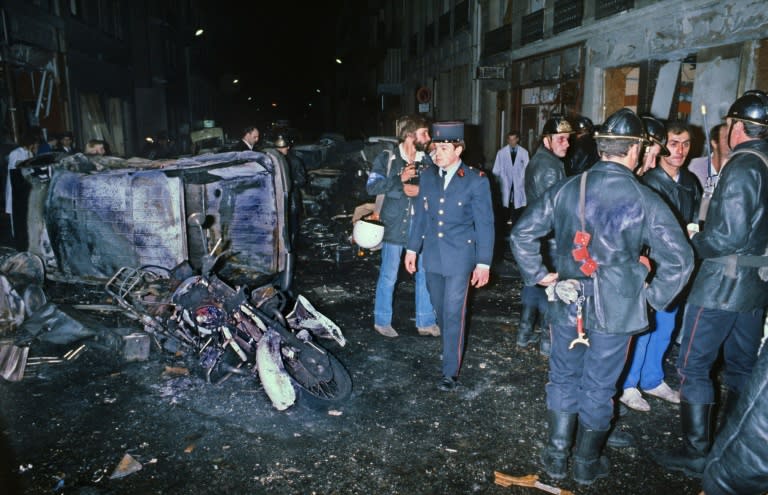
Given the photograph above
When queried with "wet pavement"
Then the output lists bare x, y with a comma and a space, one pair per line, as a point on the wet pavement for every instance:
96, 424
66, 426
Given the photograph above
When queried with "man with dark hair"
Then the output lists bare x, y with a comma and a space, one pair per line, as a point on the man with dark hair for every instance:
453, 229
395, 176
249, 139
601, 219
544, 170
707, 168
680, 190
727, 301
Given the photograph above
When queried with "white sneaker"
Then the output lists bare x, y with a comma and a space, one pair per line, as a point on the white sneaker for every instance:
385, 330
664, 392
632, 398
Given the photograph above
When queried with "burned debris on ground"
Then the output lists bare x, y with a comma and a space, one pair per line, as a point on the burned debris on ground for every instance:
88, 417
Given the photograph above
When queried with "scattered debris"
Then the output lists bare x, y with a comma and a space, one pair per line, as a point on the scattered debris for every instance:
175, 371
531, 480
74, 353
128, 465
136, 347
13, 361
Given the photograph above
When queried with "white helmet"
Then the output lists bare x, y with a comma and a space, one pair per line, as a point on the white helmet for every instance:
368, 233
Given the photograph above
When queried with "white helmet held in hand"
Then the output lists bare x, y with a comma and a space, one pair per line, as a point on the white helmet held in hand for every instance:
368, 233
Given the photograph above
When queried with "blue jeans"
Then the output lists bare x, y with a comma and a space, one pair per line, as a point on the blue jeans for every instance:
646, 369
391, 255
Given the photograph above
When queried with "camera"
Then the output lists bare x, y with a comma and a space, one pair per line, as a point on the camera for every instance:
414, 181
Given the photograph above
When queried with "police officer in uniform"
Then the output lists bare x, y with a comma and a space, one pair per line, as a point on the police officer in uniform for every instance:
601, 221
544, 170
453, 229
729, 294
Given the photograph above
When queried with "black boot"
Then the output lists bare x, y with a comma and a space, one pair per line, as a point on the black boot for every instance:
730, 404
619, 439
555, 456
697, 429
525, 333
588, 464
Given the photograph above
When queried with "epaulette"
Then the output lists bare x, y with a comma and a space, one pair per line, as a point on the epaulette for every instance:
478, 171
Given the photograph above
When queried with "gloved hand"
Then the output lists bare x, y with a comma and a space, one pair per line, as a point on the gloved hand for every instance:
565, 290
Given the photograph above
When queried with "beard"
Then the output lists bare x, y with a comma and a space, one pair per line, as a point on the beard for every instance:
420, 146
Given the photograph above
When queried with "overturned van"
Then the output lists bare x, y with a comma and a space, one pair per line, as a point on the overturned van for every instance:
91, 215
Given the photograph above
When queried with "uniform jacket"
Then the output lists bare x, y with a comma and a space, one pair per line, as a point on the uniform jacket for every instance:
737, 223
622, 217
737, 464
396, 212
683, 195
453, 228
544, 170
511, 176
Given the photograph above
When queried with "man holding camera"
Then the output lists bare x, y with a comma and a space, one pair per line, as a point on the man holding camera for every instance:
395, 175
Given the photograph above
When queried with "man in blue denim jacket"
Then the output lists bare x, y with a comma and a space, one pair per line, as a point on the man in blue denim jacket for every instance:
395, 175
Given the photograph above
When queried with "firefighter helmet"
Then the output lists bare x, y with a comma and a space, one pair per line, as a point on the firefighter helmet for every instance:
656, 133
623, 123
557, 124
752, 106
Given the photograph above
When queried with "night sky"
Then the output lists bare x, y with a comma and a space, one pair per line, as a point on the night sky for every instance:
281, 52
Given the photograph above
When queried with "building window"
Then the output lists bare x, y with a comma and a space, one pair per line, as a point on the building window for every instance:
568, 15
605, 8
532, 28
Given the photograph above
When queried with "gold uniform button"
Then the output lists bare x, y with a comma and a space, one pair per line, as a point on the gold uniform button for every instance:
440, 212
459, 203
439, 234
440, 222
442, 200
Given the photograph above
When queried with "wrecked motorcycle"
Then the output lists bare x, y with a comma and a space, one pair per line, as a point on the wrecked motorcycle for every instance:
233, 332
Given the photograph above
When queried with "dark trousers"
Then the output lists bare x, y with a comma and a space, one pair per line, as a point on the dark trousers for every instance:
449, 299
583, 380
705, 330
535, 296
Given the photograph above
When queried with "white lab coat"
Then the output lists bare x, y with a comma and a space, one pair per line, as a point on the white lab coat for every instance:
511, 174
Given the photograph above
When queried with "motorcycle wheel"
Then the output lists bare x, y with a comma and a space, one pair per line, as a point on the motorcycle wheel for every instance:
320, 377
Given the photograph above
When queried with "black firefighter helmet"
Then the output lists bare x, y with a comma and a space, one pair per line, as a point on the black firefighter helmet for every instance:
656, 133
752, 106
557, 124
623, 124
583, 124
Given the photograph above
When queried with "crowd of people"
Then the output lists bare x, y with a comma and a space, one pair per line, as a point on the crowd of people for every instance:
620, 247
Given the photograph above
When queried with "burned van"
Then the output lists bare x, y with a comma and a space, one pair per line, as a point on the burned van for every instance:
91, 215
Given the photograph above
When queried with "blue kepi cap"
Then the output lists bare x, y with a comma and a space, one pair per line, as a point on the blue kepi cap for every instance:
447, 132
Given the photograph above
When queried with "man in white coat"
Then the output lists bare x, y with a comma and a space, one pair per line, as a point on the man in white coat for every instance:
509, 169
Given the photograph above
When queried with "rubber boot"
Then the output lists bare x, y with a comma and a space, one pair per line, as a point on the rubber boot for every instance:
588, 464
730, 405
525, 333
697, 429
619, 439
562, 426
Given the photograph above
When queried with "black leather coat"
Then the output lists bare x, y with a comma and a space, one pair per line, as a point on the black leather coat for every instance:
622, 217
738, 461
683, 196
737, 224
543, 171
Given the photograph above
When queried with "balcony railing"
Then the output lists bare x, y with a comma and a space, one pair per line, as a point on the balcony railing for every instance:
533, 27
